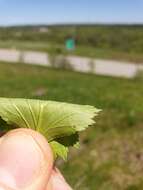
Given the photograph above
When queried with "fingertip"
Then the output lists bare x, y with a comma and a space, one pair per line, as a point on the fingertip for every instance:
26, 160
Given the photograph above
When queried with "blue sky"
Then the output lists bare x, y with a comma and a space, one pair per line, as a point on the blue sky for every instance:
68, 11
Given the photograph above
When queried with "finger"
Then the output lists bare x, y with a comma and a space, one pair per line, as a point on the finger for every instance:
57, 181
26, 160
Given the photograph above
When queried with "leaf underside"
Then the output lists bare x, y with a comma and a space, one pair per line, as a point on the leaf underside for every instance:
58, 122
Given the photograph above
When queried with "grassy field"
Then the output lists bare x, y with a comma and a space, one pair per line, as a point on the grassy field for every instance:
120, 42
111, 153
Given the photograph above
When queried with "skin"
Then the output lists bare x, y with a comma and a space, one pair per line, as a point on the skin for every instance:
26, 163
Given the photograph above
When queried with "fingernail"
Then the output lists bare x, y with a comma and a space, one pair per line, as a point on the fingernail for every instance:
20, 160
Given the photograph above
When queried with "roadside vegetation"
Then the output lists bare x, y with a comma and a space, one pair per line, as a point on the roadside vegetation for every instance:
99, 41
111, 153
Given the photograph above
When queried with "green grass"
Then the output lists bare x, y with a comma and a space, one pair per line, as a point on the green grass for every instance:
86, 51
107, 53
111, 153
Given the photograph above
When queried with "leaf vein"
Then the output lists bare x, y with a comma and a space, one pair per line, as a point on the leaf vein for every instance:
21, 115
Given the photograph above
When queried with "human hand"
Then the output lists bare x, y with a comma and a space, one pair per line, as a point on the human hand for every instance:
26, 163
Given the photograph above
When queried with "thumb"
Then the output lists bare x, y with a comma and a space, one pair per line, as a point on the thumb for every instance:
26, 160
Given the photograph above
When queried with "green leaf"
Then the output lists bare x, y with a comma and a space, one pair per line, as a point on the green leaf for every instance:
59, 150
58, 122
60, 146
69, 140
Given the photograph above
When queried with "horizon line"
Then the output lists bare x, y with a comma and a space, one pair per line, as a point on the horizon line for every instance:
72, 24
